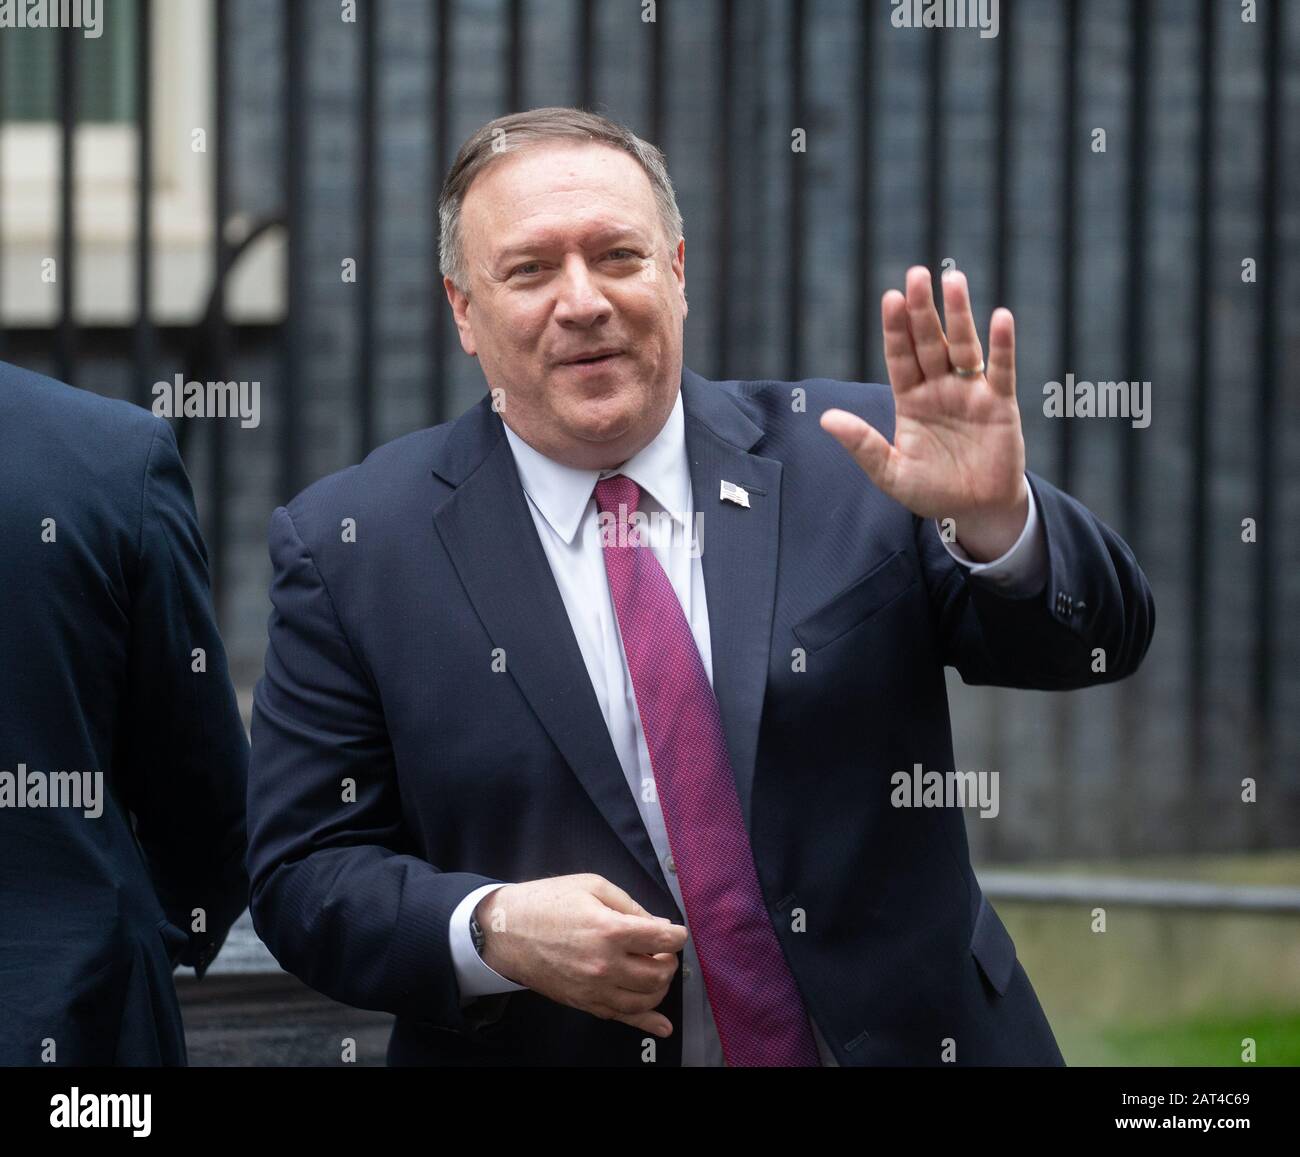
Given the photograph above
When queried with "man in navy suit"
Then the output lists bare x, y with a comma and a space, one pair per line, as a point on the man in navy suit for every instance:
123, 759
582, 714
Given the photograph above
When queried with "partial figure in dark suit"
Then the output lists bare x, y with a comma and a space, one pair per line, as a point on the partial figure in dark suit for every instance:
123, 759
582, 714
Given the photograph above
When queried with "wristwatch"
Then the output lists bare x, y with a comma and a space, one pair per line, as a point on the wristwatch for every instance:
477, 934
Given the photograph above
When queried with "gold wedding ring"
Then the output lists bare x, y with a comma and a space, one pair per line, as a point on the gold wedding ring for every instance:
964, 373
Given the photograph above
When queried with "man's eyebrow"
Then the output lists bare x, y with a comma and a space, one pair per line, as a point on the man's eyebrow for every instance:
548, 240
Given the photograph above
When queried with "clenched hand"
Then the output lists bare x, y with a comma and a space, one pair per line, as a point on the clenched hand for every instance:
582, 941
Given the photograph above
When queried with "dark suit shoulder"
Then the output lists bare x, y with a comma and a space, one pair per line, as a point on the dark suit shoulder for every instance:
81, 441
70, 453
39, 402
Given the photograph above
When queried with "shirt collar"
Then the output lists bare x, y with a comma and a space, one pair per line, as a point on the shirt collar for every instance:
562, 492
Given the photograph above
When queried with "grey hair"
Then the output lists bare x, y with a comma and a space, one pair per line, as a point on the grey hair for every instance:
516, 130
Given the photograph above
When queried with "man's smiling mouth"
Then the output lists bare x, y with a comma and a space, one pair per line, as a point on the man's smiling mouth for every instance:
594, 360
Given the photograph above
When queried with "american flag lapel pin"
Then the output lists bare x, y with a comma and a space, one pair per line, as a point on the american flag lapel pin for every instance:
733, 493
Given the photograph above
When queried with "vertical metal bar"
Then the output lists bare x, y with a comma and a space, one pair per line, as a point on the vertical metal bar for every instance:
586, 55
369, 124
936, 131
1198, 560
657, 64
439, 134
218, 338
1069, 233
67, 265
1269, 288
1135, 290
756, 115
798, 166
725, 105
1131, 706
143, 337
294, 352
515, 56
866, 311
1004, 103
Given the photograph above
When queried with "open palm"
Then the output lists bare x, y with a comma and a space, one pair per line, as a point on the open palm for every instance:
958, 450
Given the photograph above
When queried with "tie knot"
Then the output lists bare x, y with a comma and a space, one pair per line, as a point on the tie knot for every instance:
615, 491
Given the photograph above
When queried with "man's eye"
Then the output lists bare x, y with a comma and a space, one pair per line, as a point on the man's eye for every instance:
628, 252
523, 268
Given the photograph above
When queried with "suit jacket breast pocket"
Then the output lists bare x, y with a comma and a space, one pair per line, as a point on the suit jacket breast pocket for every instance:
856, 604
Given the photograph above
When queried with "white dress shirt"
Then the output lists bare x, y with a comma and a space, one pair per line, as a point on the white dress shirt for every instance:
562, 502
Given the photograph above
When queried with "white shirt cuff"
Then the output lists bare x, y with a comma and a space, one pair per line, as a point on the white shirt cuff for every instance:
1023, 569
474, 975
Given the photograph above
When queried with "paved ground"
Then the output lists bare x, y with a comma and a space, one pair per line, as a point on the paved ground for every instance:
267, 1019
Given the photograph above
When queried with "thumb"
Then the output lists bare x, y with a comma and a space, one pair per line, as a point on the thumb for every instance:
612, 896
869, 447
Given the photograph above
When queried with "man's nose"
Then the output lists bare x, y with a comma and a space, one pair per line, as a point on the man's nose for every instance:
580, 300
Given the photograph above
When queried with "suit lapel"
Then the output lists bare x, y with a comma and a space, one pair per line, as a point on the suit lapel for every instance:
490, 537
493, 544
739, 558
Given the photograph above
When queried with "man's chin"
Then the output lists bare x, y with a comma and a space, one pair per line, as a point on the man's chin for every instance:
603, 418
603, 433
600, 444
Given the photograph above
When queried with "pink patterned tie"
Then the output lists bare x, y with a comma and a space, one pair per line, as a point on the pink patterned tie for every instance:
756, 1005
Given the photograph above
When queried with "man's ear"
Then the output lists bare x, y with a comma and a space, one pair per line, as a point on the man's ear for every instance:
679, 271
460, 311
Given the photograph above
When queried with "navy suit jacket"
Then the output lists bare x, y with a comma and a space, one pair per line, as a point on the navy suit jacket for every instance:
97, 630
380, 682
